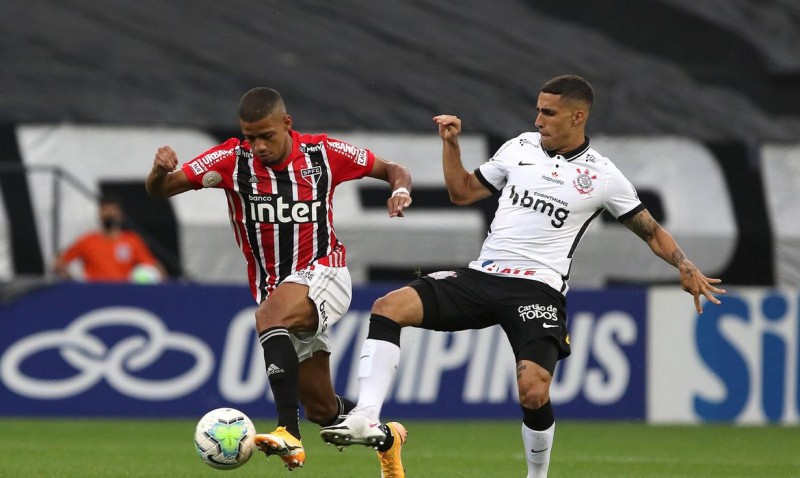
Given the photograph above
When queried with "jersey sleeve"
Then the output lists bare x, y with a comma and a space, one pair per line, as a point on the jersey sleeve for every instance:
347, 162
214, 168
621, 199
494, 173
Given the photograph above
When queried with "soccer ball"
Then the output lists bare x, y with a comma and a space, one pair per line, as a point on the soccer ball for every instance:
224, 438
145, 274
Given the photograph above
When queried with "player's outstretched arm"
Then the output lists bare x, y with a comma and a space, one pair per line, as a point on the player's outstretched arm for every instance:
664, 246
399, 178
163, 181
462, 185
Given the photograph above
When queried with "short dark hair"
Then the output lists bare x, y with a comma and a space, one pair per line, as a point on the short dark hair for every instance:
259, 103
572, 87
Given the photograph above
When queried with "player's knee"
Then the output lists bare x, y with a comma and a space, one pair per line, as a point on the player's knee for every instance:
266, 319
386, 306
535, 394
401, 306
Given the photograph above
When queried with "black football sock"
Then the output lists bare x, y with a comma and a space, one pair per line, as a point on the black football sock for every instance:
282, 367
540, 419
384, 328
344, 406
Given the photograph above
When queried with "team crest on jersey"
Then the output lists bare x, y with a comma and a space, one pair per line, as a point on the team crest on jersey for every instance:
583, 183
312, 175
442, 275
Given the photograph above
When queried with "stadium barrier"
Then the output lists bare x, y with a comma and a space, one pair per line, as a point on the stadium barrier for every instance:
179, 350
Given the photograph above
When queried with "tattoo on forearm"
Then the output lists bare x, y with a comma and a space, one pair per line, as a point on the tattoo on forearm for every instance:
678, 257
644, 226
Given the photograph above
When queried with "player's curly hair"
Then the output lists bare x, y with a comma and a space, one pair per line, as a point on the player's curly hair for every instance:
259, 103
571, 87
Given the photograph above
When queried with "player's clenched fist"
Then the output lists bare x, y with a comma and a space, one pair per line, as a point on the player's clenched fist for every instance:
166, 160
449, 126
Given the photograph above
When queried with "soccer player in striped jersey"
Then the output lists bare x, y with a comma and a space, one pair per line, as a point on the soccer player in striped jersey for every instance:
550, 186
279, 185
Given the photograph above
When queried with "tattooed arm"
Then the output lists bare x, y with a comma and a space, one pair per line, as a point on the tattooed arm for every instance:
664, 246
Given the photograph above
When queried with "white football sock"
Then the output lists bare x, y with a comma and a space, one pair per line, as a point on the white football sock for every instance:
538, 445
376, 369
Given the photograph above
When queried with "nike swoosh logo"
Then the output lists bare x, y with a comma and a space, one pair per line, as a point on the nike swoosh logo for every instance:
373, 425
539, 451
549, 326
526, 164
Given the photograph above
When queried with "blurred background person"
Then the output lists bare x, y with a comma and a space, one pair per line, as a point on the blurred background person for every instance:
111, 253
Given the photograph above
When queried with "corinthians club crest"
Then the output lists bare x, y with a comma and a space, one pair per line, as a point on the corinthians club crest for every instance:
583, 183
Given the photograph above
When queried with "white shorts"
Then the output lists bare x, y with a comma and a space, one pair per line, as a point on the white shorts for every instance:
331, 290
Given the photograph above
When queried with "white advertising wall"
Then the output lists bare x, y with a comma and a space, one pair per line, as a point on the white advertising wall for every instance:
682, 175
781, 166
737, 362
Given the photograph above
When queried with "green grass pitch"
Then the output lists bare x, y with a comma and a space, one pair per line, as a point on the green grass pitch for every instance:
80, 448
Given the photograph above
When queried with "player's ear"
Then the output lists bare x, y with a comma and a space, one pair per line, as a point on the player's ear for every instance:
287, 121
578, 117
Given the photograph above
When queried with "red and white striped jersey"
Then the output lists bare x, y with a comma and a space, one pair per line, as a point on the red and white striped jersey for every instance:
282, 215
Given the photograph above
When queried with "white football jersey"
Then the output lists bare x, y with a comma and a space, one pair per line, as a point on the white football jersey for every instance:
545, 206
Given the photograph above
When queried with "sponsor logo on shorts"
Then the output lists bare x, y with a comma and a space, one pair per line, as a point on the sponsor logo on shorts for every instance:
307, 274
539, 312
323, 316
273, 369
442, 275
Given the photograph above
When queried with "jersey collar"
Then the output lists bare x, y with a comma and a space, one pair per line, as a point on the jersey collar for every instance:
571, 155
292, 155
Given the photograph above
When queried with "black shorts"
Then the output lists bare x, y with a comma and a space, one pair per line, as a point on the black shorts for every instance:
529, 311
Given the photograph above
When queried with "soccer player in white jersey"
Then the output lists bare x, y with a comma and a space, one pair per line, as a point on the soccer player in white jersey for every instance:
279, 186
550, 186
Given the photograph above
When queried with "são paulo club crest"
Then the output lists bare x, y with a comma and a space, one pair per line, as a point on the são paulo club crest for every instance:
312, 174
583, 183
